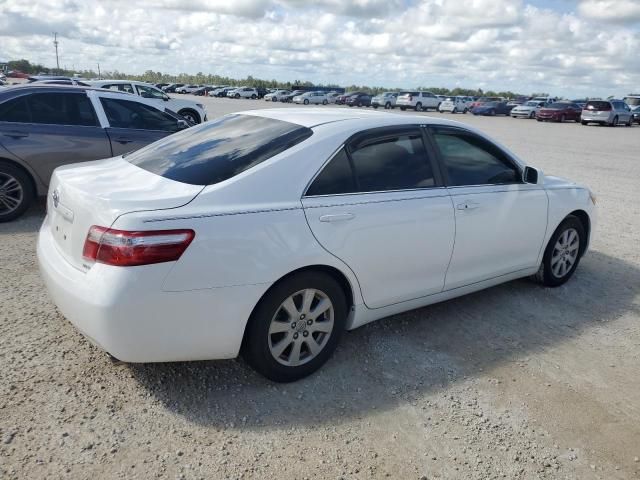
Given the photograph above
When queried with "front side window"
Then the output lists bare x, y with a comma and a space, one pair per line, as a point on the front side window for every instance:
471, 160
62, 109
136, 115
149, 92
218, 150
376, 163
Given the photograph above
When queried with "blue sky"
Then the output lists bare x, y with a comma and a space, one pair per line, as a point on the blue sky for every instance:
572, 48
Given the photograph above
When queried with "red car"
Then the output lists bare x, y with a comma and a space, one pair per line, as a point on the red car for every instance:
559, 112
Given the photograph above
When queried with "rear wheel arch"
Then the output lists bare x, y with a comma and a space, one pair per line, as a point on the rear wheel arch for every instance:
333, 272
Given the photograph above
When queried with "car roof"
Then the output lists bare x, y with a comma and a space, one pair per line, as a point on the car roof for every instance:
310, 118
116, 82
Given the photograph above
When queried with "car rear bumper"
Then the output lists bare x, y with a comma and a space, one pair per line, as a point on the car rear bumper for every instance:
124, 310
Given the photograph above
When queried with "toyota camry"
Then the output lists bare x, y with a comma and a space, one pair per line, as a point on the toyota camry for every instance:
268, 233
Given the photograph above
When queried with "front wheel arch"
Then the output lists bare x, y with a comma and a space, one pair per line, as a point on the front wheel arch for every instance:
193, 113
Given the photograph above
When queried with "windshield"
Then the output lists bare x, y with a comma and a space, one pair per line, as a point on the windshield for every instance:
632, 101
558, 106
532, 104
218, 150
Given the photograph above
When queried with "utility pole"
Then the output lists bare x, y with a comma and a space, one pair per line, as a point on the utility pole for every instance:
55, 44
99, 71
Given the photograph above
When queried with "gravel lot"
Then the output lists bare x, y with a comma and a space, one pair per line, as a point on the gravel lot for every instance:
517, 381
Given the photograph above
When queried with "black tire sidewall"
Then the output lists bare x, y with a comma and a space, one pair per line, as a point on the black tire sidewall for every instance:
547, 276
256, 347
27, 188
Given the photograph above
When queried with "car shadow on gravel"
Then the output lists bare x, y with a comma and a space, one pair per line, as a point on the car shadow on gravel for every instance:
28, 223
388, 363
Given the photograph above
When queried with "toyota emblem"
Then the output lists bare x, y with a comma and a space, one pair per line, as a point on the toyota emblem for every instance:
56, 198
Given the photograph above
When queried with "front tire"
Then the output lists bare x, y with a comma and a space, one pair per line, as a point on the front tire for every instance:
306, 102
563, 253
295, 327
387, 106
191, 116
16, 192
614, 123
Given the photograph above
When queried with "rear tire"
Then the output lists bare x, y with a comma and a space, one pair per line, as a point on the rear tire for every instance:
562, 118
387, 105
287, 314
563, 253
418, 107
324, 102
614, 123
16, 192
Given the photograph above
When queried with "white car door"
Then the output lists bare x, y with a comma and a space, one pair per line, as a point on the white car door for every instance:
379, 206
500, 221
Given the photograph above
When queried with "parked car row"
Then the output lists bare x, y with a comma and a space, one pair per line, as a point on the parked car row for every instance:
45, 126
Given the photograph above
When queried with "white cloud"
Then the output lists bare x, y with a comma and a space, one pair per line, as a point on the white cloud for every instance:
498, 44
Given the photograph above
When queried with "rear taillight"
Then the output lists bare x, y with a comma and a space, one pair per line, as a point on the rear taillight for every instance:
127, 249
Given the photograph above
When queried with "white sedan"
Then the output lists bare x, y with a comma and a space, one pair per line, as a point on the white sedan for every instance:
316, 98
270, 232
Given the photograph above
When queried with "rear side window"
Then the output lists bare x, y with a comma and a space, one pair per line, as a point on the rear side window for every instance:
136, 115
120, 87
471, 160
598, 106
377, 163
15, 110
62, 109
218, 150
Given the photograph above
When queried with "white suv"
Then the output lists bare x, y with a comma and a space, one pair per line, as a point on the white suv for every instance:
276, 96
243, 92
192, 111
418, 101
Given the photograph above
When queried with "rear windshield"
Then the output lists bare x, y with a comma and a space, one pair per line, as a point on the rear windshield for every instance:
218, 150
599, 106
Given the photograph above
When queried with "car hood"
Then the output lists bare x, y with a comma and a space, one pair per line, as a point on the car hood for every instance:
551, 181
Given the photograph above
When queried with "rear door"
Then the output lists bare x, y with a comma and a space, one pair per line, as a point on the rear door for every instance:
132, 124
379, 206
500, 221
53, 129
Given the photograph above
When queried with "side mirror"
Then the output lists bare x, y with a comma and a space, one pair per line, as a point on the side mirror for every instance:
182, 124
165, 98
530, 175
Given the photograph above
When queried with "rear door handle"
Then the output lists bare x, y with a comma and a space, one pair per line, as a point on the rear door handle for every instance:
338, 217
467, 206
16, 134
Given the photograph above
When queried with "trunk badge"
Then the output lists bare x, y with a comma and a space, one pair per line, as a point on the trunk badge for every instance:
56, 198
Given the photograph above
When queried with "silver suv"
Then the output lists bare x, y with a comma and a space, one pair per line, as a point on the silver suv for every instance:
418, 101
606, 112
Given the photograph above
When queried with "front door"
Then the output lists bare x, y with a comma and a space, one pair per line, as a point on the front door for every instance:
500, 221
379, 207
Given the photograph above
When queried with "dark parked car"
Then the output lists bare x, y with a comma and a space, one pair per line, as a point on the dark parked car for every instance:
359, 100
44, 127
203, 90
482, 100
171, 88
635, 113
493, 108
342, 99
559, 112
289, 98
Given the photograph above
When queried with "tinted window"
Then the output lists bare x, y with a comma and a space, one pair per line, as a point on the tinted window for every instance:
335, 178
130, 114
218, 150
377, 163
15, 110
598, 106
62, 109
471, 160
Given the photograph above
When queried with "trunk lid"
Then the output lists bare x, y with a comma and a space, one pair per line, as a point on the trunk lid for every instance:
97, 193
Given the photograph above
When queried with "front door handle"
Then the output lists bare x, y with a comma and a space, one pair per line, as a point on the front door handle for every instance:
123, 140
338, 217
16, 134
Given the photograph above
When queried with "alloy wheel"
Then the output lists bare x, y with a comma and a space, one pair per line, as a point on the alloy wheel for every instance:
11, 193
565, 252
301, 327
